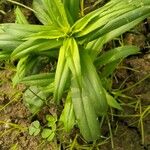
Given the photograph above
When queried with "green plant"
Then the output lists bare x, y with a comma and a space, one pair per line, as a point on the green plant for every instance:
77, 43
48, 132
34, 128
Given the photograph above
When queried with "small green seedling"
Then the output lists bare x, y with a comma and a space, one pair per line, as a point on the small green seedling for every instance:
34, 128
51, 121
49, 133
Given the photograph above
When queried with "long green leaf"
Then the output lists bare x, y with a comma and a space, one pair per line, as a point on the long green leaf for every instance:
73, 6
22, 31
35, 46
84, 111
115, 54
20, 18
73, 58
55, 12
124, 19
42, 79
8, 42
93, 85
27, 66
41, 12
51, 34
61, 76
83, 22
105, 14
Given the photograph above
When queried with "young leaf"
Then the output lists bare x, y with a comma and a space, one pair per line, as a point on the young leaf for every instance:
51, 121
112, 102
34, 128
67, 115
20, 18
73, 58
48, 134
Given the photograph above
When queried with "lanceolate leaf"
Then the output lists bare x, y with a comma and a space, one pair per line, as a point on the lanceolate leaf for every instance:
85, 114
8, 42
73, 7
83, 22
109, 19
115, 54
104, 19
130, 17
51, 34
62, 74
55, 11
22, 31
41, 12
35, 46
20, 18
27, 66
73, 58
112, 102
93, 85
42, 79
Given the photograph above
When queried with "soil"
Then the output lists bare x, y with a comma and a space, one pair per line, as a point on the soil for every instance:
126, 126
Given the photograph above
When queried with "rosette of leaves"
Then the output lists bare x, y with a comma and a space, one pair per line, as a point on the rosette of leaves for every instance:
76, 42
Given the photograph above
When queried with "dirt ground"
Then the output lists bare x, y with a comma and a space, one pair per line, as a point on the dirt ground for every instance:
130, 130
